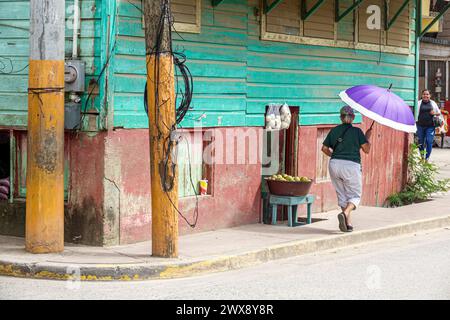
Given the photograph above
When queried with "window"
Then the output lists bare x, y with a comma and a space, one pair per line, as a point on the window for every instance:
187, 15
314, 22
322, 174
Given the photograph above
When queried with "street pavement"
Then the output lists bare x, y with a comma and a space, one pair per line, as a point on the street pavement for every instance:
410, 267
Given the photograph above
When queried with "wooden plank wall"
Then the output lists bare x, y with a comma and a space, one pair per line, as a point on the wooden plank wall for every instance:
286, 19
236, 74
366, 35
397, 35
184, 11
445, 34
345, 27
14, 45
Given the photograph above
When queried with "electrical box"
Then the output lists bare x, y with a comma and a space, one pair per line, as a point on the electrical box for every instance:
74, 75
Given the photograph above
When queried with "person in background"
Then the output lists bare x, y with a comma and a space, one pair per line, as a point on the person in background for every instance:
343, 145
425, 126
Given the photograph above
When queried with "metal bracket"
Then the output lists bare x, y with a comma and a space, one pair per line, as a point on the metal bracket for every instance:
338, 16
305, 13
388, 24
215, 3
269, 7
422, 33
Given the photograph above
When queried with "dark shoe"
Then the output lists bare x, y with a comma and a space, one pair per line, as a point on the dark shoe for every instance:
349, 228
342, 222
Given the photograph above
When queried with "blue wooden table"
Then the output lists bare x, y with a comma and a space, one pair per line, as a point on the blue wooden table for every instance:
292, 203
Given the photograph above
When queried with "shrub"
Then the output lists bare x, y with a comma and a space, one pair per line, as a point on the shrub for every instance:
422, 181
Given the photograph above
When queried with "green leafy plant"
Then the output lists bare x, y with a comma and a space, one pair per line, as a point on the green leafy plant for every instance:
422, 181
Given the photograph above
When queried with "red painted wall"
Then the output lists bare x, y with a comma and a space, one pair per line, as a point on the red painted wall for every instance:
84, 221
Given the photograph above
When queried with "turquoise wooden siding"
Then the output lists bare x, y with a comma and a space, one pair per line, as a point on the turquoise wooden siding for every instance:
14, 44
236, 74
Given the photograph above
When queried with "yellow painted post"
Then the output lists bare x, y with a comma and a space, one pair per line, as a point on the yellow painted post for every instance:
161, 110
44, 231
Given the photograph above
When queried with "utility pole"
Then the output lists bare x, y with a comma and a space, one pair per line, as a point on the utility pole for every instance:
161, 112
45, 172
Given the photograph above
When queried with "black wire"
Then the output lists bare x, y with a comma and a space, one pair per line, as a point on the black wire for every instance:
39, 91
193, 188
3, 66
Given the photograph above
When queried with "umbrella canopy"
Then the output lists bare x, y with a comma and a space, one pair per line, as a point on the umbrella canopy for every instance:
381, 105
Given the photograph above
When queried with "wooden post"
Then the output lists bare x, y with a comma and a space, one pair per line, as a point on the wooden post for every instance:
45, 172
161, 111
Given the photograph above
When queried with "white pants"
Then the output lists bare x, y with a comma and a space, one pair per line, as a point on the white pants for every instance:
347, 180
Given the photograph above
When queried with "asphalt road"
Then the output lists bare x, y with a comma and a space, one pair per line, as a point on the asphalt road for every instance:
412, 267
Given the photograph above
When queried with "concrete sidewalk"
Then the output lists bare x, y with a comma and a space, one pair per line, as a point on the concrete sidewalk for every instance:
222, 250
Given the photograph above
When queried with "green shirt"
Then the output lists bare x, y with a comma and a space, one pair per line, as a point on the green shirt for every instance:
349, 148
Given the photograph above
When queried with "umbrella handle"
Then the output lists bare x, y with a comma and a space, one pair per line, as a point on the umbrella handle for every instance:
373, 121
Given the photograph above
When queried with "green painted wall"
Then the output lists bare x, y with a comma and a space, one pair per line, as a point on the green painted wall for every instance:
14, 47
236, 74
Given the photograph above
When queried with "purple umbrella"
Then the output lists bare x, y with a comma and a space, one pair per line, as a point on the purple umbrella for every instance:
380, 105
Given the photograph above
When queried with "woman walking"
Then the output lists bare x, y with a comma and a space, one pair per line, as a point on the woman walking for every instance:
343, 145
425, 126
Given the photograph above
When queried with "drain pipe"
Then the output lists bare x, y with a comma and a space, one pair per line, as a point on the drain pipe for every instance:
76, 26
